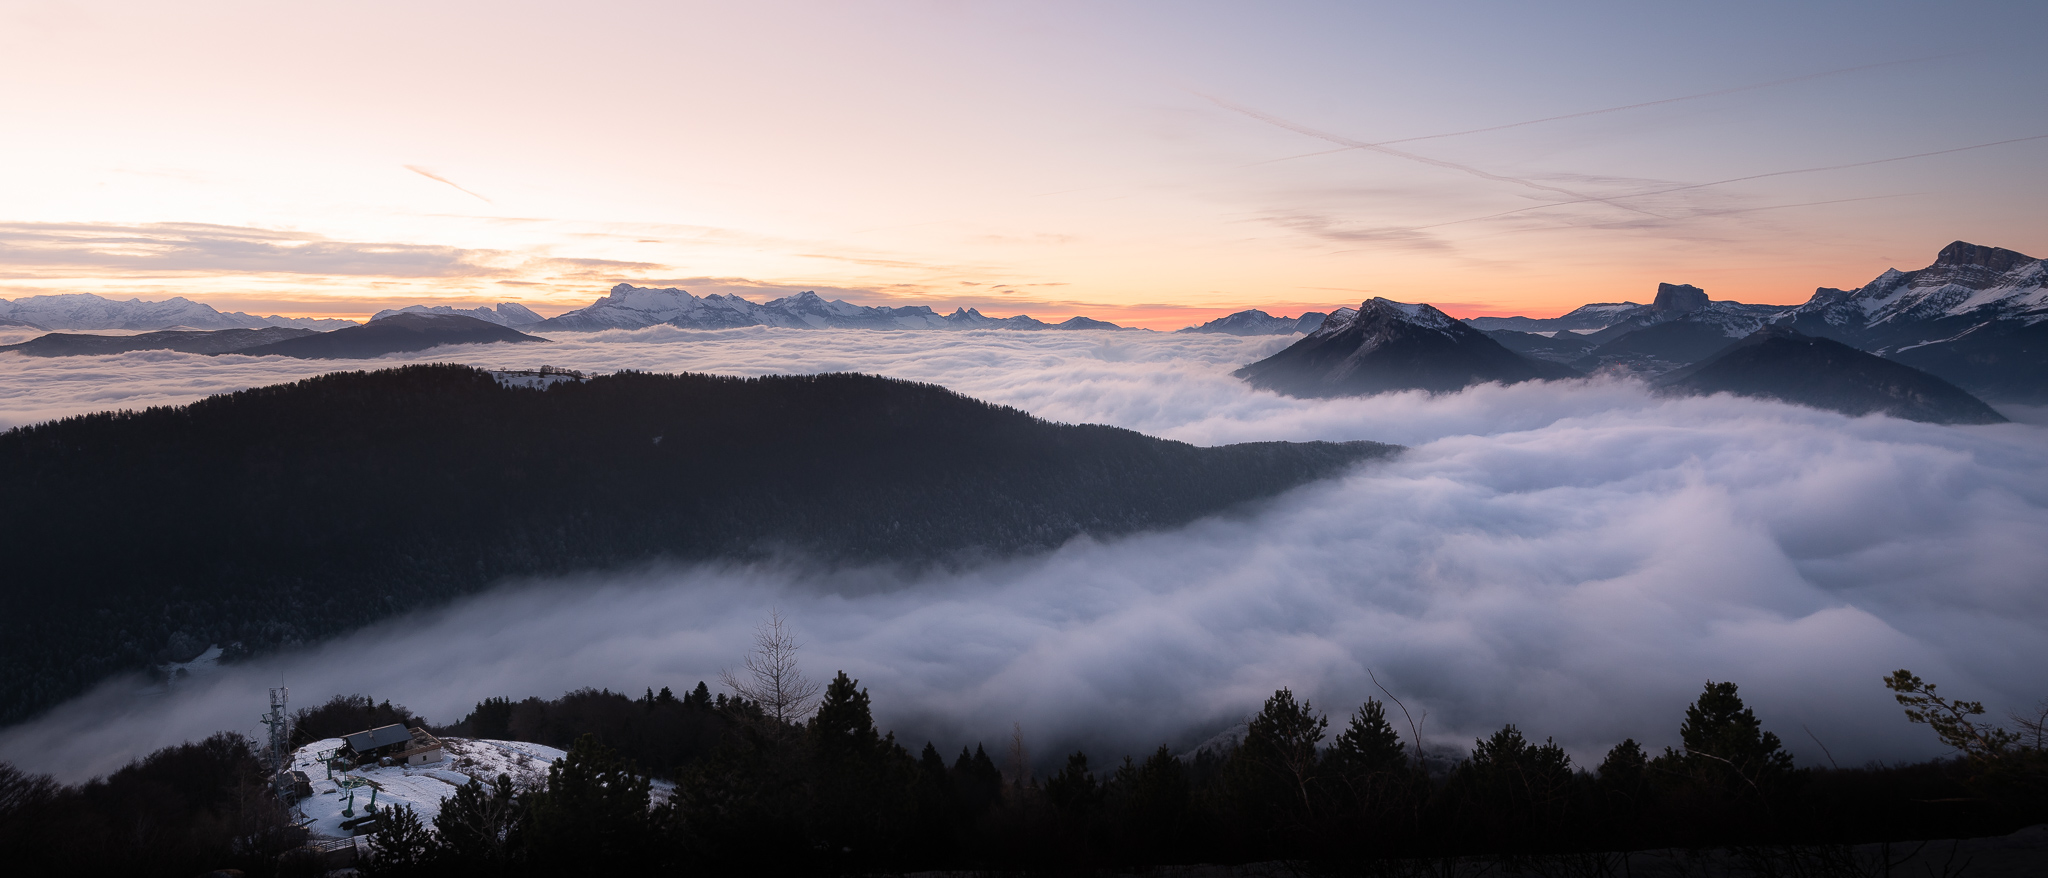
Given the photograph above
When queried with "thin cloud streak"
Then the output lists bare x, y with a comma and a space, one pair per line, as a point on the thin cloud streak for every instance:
1403, 154
1690, 187
433, 176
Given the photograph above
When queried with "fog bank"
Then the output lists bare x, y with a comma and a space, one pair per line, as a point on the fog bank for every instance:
1577, 558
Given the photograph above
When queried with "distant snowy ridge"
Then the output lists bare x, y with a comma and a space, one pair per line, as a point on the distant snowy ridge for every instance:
1966, 280
88, 311
508, 314
631, 307
1257, 322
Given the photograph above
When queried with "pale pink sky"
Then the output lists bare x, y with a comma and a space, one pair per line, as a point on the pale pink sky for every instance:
1149, 163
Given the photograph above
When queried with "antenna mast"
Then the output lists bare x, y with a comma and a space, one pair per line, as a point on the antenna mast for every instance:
280, 750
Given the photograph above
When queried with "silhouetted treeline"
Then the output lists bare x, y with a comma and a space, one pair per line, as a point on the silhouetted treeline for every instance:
346, 715
658, 733
289, 513
835, 795
183, 810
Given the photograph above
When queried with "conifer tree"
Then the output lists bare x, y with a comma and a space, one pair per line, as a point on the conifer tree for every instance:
401, 845
1074, 790
1369, 745
1726, 746
594, 809
1278, 766
475, 825
844, 728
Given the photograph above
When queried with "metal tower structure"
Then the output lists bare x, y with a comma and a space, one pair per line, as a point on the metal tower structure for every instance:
279, 721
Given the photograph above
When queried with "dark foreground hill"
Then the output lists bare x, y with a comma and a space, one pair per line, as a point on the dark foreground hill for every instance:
1782, 364
399, 333
190, 341
293, 512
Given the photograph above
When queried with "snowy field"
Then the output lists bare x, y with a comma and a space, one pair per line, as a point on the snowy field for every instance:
422, 787
1574, 557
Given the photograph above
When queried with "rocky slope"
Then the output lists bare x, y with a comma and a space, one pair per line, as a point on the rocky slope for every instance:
1386, 346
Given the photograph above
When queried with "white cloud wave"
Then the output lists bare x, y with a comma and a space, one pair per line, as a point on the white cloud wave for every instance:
1578, 558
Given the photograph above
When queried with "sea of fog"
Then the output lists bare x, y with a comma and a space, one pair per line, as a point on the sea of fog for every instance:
1577, 558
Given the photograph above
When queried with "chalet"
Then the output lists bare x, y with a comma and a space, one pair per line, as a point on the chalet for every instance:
397, 743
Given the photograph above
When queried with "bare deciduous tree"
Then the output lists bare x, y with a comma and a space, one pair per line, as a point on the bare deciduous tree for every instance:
771, 678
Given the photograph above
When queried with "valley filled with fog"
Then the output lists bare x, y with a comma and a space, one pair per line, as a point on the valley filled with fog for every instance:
1574, 557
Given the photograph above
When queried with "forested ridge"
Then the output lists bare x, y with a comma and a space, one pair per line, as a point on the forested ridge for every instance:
1304, 791
288, 513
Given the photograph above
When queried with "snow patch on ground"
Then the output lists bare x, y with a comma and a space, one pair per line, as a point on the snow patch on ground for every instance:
423, 787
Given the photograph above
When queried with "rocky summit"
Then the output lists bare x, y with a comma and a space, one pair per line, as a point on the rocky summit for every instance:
1385, 346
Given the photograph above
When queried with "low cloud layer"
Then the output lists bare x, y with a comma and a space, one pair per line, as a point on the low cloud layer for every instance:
1577, 558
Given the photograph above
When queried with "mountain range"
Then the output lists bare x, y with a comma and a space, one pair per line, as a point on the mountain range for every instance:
88, 311
631, 307
1977, 317
1257, 322
624, 307
293, 512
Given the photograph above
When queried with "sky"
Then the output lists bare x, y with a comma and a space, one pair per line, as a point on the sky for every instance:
1154, 164
1575, 557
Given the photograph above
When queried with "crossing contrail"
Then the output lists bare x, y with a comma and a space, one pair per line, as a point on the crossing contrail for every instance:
433, 176
1689, 187
1397, 153
1637, 106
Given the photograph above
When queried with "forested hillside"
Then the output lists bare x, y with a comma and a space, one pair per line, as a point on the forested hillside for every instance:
298, 511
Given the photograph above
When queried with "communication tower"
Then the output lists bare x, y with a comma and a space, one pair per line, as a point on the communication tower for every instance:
279, 721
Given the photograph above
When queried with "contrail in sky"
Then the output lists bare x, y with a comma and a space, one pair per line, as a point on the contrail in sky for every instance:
1386, 150
1582, 114
433, 176
1582, 200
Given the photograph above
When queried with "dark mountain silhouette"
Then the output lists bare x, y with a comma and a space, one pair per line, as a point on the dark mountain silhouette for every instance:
2006, 360
1257, 322
1386, 346
399, 333
295, 512
1560, 347
1658, 348
1079, 322
1598, 315
1783, 364
190, 341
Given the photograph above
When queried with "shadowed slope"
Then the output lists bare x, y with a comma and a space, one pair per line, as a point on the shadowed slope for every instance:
1781, 364
398, 333
294, 512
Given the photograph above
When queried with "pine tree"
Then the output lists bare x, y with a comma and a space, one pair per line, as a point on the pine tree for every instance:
1369, 744
1512, 784
1726, 746
1155, 799
976, 781
844, 728
593, 810
1074, 790
475, 825
1277, 769
401, 845
699, 697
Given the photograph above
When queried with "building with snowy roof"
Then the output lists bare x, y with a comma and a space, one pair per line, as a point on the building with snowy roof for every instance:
394, 742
